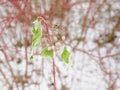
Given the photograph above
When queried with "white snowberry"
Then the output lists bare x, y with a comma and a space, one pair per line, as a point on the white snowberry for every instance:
63, 37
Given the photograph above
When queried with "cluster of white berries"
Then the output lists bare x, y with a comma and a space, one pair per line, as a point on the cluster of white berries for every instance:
57, 35
56, 46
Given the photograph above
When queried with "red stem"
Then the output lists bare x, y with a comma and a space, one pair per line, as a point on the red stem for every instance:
53, 62
53, 65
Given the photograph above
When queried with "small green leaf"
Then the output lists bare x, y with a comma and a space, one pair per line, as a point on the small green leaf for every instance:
36, 39
37, 35
37, 31
65, 55
45, 52
31, 57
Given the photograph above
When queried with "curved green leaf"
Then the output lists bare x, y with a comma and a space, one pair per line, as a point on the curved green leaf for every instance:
45, 52
31, 57
37, 35
65, 55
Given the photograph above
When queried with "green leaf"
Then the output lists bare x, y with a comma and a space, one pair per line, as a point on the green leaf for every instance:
65, 55
31, 57
45, 52
37, 35
36, 39
37, 31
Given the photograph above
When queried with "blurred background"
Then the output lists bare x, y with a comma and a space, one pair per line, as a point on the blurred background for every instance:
93, 28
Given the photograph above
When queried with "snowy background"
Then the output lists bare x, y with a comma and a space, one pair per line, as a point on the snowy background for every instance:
94, 42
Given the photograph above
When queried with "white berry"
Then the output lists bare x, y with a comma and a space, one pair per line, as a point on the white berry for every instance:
58, 44
63, 37
55, 38
53, 47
